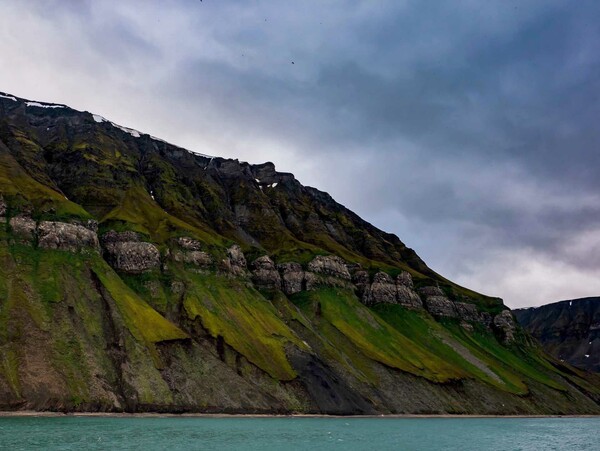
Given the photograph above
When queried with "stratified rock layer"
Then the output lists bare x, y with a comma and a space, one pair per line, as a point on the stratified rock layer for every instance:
125, 252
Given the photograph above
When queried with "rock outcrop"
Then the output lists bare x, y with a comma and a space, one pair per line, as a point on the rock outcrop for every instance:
405, 293
125, 252
23, 227
190, 251
265, 275
382, 290
67, 237
437, 303
362, 282
292, 277
504, 324
330, 265
236, 261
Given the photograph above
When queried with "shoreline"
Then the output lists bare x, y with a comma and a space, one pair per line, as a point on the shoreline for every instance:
48, 414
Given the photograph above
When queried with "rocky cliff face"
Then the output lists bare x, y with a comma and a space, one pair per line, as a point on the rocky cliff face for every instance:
138, 276
125, 252
569, 330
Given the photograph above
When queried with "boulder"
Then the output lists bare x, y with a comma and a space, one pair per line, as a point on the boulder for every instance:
65, 236
265, 274
330, 265
292, 277
125, 252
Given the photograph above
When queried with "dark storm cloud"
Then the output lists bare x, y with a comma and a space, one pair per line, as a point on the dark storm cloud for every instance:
467, 128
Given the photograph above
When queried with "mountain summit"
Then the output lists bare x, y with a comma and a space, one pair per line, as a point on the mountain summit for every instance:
138, 276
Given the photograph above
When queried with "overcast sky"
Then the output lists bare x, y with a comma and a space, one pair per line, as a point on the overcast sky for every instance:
468, 128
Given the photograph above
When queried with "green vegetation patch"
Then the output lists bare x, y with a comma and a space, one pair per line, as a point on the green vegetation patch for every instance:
18, 187
424, 330
140, 213
508, 363
247, 321
377, 339
145, 323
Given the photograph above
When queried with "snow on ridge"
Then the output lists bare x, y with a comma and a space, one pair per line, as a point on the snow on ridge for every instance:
43, 105
14, 99
99, 119
131, 131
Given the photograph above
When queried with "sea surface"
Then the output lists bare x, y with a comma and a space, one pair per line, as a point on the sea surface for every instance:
282, 433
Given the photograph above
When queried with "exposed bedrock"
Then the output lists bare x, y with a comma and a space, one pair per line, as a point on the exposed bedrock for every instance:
405, 293
382, 290
23, 228
292, 277
236, 261
188, 250
265, 274
437, 303
329, 265
66, 236
125, 252
505, 326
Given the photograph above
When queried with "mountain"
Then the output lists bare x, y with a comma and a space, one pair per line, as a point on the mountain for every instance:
569, 330
138, 276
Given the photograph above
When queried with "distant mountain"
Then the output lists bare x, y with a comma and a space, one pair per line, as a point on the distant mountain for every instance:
138, 276
569, 330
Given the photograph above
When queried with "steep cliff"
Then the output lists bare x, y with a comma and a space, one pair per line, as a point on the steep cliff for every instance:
569, 330
139, 276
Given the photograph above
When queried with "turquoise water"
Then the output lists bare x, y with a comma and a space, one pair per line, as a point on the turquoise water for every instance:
187, 433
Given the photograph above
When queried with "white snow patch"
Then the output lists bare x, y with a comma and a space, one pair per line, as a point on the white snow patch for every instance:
274, 185
8, 97
257, 181
152, 195
570, 303
42, 105
131, 131
587, 355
